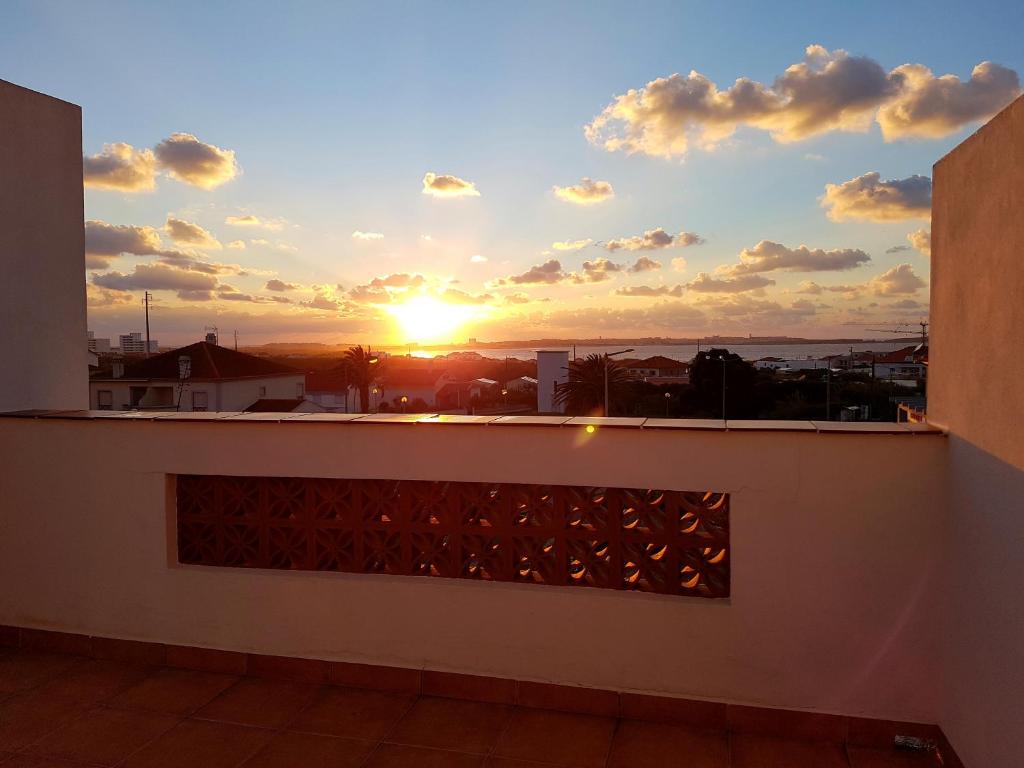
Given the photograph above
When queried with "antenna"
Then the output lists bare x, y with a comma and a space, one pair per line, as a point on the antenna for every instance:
236, 340
147, 296
211, 334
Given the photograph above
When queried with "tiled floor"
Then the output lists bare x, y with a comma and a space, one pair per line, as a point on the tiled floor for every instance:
67, 712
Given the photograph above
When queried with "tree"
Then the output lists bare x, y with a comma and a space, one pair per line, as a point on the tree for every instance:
363, 370
706, 378
583, 393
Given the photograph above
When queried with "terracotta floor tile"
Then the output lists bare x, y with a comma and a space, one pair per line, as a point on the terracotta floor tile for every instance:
396, 756
767, 752
264, 703
195, 743
30, 716
21, 670
104, 736
95, 680
352, 713
863, 757
39, 761
508, 762
310, 750
637, 743
464, 726
174, 691
557, 737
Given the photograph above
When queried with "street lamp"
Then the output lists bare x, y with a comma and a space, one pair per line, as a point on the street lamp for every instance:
403, 401
607, 359
668, 399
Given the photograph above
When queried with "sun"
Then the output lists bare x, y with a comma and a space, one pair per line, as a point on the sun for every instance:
426, 319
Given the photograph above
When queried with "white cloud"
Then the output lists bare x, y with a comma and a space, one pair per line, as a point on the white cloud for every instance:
237, 245
477, 259
187, 233
705, 283
120, 167
827, 91
767, 256
571, 245
900, 280
358, 235
189, 160
868, 197
679, 264
922, 241
596, 271
647, 290
653, 240
249, 220
645, 264
448, 186
587, 192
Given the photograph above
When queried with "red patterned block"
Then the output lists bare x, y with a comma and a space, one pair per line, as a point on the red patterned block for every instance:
646, 540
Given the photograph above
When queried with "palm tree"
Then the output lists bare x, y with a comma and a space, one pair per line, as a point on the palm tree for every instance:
363, 369
583, 393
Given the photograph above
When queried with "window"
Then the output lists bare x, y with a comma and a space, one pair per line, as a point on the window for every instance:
105, 399
199, 401
263, 391
300, 389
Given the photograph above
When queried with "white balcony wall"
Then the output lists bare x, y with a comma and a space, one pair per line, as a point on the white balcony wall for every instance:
836, 543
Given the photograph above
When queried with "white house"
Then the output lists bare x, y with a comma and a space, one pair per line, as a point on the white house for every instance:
199, 377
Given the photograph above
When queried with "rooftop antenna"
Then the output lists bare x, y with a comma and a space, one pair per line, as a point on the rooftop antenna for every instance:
211, 334
236, 340
147, 297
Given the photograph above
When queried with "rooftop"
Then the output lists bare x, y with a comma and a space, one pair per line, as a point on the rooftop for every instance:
209, 362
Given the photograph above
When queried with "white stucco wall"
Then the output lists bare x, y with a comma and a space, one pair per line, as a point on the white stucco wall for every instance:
835, 542
42, 252
976, 391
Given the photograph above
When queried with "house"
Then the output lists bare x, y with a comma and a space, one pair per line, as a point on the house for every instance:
907, 365
791, 364
659, 367
199, 377
331, 389
521, 384
413, 384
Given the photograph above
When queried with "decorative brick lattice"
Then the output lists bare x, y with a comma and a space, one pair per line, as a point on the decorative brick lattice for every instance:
669, 542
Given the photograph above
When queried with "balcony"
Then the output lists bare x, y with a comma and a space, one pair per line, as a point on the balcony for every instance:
333, 589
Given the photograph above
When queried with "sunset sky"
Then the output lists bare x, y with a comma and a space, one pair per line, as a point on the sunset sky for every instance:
420, 172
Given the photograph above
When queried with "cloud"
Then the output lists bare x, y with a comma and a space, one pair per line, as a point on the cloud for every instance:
921, 240
104, 297
647, 290
237, 245
380, 289
645, 264
898, 248
248, 220
906, 304
455, 296
477, 259
587, 192
186, 233
448, 186
679, 264
867, 197
187, 159
814, 289
157, 277
357, 235
596, 271
322, 301
517, 298
933, 107
767, 256
106, 241
120, 167
280, 285
548, 273
278, 246
827, 91
705, 283
900, 280
571, 245
653, 240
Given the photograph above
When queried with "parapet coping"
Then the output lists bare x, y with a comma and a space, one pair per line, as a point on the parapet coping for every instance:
589, 423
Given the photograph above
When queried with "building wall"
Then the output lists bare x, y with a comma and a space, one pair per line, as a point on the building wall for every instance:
834, 552
552, 370
42, 252
221, 395
975, 381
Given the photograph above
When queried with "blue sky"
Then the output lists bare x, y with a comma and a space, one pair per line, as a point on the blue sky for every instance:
335, 113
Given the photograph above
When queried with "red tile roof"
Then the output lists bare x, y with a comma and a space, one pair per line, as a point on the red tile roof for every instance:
210, 362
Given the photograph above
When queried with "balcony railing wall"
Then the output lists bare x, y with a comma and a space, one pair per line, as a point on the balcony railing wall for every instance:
834, 556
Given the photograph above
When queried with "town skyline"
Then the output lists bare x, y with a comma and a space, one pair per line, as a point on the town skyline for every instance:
770, 180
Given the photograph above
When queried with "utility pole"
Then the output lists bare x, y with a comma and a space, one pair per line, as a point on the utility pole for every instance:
236, 340
147, 295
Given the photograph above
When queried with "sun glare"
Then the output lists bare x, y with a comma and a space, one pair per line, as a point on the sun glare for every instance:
426, 319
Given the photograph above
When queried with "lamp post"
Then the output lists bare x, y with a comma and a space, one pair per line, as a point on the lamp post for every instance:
607, 360
403, 401
668, 399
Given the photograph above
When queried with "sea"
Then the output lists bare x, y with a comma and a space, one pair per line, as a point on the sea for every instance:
689, 351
